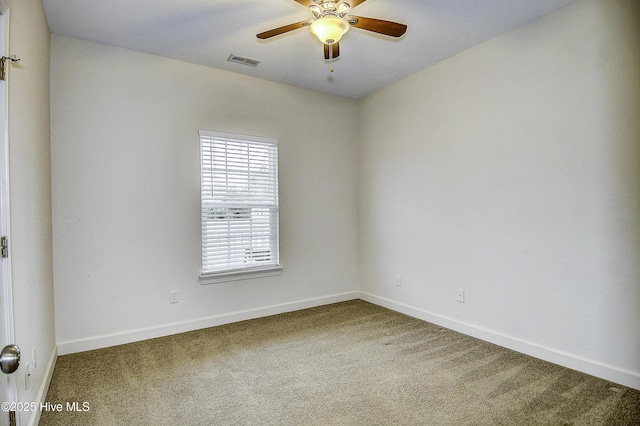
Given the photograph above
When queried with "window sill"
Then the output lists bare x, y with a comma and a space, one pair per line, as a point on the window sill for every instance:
241, 274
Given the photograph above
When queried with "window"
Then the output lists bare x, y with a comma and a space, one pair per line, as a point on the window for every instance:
239, 196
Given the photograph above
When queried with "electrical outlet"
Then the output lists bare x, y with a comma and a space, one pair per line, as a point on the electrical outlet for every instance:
173, 296
460, 295
398, 281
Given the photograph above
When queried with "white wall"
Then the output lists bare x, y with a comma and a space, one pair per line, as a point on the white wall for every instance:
30, 192
125, 155
511, 171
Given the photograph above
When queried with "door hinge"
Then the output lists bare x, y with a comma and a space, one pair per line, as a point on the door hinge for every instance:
3, 65
4, 247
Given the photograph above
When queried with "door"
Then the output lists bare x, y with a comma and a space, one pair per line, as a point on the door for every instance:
8, 361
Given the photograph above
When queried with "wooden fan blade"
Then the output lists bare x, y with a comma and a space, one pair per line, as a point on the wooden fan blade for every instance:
281, 30
331, 51
354, 3
379, 26
307, 3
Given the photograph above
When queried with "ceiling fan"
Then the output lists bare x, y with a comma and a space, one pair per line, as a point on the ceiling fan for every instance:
332, 21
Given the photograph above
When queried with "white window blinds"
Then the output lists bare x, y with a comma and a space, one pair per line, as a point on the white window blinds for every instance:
239, 192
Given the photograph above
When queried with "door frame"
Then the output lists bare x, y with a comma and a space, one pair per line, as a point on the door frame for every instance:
7, 331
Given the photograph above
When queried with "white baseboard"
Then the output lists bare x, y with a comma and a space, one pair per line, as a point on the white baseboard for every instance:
594, 368
44, 387
104, 341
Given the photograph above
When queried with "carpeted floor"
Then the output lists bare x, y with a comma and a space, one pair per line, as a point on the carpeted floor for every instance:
350, 363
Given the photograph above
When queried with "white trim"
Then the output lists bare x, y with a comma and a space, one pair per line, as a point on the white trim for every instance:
5, 205
34, 420
80, 345
240, 274
237, 136
7, 333
594, 368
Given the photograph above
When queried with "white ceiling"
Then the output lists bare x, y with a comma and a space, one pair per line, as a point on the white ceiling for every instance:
206, 32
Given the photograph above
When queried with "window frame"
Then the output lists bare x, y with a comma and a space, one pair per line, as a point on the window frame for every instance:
249, 272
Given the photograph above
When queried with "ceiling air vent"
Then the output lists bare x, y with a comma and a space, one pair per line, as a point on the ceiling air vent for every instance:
243, 60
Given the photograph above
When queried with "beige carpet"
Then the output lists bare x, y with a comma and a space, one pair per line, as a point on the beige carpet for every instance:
350, 363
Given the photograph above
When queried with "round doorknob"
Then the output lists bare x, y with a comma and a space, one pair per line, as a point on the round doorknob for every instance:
9, 359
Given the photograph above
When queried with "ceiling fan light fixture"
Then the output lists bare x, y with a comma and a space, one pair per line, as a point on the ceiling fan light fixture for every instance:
316, 10
343, 9
329, 29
